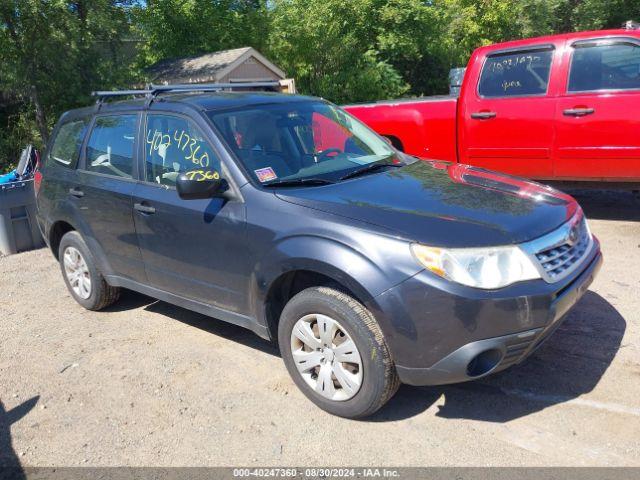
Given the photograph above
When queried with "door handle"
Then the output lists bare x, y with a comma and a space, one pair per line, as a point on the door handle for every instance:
144, 209
578, 112
76, 192
483, 115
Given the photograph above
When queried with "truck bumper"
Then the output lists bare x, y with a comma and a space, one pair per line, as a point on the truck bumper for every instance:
451, 337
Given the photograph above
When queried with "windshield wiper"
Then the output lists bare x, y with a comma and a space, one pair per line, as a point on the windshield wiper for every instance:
372, 167
298, 181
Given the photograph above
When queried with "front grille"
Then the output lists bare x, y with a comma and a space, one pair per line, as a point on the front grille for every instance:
559, 259
562, 251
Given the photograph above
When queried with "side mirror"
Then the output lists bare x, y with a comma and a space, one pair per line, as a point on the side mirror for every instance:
198, 185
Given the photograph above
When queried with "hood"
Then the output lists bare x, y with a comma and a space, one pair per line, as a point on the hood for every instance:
444, 204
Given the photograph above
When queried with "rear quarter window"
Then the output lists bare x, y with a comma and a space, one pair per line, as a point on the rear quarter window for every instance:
516, 74
65, 147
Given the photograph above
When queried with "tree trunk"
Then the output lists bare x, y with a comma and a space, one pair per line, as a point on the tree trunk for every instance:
41, 118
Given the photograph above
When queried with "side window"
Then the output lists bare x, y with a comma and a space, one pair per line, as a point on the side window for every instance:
110, 146
516, 74
66, 146
605, 67
175, 145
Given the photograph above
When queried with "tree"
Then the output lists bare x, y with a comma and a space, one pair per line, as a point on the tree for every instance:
180, 28
53, 53
329, 46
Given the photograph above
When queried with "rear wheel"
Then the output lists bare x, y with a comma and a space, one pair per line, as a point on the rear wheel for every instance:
335, 352
85, 283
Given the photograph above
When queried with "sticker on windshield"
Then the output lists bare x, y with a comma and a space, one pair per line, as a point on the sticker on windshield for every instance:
265, 174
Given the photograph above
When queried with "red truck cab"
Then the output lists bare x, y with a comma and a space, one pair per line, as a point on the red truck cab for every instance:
561, 107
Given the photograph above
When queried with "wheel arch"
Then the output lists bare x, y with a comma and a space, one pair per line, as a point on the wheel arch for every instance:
58, 230
326, 263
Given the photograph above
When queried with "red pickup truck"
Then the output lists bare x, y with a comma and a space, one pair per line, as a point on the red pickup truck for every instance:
561, 107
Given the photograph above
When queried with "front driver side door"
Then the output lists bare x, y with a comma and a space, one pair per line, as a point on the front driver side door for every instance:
597, 119
193, 248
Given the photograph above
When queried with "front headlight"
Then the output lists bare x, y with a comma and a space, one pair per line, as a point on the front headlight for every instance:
488, 268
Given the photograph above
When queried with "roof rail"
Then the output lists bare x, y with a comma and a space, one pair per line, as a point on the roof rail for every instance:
152, 91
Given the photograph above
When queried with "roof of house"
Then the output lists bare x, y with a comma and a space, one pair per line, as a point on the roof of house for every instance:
206, 68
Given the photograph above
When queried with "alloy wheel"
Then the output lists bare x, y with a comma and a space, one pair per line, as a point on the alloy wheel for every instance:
77, 272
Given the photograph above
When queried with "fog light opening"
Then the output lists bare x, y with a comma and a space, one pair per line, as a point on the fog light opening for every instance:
484, 362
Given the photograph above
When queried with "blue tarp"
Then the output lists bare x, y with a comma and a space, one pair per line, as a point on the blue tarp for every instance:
9, 177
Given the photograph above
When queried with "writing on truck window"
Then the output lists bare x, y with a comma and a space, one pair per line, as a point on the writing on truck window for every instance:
514, 62
515, 74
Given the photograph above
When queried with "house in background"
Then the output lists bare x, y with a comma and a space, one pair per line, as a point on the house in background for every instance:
239, 65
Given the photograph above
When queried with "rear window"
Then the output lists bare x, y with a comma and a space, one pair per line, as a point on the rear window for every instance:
110, 146
605, 67
516, 74
66, 145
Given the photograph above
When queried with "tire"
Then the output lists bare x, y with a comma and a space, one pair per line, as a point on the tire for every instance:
375, 372
99, 293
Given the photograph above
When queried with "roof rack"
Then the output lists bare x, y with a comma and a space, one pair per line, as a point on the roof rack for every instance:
152, 91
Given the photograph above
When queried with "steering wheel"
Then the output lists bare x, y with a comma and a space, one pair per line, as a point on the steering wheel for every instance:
325, 153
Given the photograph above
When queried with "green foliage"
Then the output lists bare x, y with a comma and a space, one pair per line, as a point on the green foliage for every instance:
330, 45
172, 28
54, 52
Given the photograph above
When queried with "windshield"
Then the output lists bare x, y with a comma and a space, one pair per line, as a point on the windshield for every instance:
297, 141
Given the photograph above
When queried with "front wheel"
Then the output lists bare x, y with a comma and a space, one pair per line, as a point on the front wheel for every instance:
335, 352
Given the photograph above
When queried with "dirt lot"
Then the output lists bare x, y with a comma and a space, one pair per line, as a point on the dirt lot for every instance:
146, 383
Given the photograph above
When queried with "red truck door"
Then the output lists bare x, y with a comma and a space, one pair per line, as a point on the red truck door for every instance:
506, 117
598, 115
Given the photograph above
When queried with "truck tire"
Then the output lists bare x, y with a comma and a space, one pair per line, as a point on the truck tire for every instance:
85, 283
335, 352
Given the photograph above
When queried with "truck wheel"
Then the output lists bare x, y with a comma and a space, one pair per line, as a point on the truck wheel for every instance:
85, 283
335, 352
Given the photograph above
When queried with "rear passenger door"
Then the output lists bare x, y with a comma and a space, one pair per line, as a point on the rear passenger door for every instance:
59, 172
506, 122
598, 115
192, 248
106, 179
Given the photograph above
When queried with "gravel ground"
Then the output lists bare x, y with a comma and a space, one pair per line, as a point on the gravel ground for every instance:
146, 383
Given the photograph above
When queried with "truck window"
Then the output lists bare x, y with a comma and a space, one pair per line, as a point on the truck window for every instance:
66, 145
110, 146
605, 67
516, 74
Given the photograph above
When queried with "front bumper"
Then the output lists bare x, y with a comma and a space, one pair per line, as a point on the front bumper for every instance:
441, 333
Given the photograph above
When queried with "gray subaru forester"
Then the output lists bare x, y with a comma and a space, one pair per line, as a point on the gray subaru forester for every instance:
287, 216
